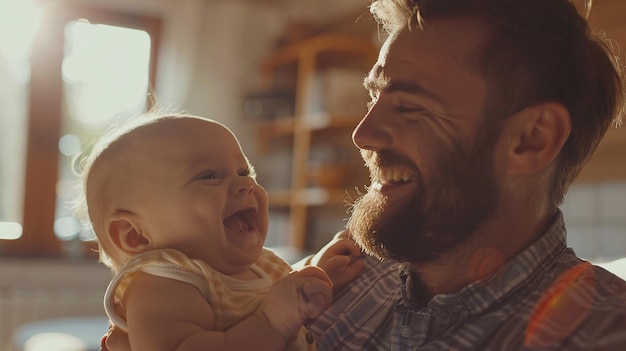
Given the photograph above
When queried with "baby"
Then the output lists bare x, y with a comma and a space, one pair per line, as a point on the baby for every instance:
181, 221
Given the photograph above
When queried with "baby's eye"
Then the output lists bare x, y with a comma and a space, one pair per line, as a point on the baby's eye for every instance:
209, 175
247, 172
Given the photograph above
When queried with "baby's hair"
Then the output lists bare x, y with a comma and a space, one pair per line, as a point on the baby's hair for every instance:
107, 150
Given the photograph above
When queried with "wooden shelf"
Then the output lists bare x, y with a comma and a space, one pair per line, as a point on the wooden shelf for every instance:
308, 197
330, 42
297, 65
276, 128
279, 198
609, 162
286, 127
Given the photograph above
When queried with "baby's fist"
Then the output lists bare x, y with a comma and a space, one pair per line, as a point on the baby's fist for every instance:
296, 298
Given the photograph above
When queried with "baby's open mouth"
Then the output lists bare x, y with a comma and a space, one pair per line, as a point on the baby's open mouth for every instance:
243, 220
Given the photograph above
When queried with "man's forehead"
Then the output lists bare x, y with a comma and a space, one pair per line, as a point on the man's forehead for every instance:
455, 40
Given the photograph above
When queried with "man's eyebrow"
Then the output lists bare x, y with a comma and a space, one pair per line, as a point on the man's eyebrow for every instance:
380, 83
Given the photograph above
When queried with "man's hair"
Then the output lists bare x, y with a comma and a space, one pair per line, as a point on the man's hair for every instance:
539, 51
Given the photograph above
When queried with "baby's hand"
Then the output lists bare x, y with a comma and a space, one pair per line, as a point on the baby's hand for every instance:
340, 259
296, 298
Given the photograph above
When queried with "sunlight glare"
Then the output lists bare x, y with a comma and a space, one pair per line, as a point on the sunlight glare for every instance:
54, 342
10, 230
19, 22
70, 144
105, 71
66, 228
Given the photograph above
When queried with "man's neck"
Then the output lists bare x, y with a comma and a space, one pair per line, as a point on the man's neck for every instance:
496, 242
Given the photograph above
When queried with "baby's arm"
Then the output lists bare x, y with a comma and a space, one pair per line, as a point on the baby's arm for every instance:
340, 259
165, 314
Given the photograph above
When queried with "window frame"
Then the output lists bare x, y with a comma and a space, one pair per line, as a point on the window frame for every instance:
45, 121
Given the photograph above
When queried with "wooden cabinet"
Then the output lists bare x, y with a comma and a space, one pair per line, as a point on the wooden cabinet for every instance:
609, 163
325, 74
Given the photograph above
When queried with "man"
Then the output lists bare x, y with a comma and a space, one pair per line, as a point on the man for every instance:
483, 112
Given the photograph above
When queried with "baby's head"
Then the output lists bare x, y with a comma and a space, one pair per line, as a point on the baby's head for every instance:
175, 181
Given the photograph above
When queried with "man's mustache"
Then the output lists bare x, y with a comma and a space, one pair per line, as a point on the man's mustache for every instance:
375, 160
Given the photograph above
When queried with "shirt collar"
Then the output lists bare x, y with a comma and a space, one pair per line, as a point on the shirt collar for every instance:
510, 279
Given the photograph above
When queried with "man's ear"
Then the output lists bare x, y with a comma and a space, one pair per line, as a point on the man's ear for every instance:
127, 232
535, 137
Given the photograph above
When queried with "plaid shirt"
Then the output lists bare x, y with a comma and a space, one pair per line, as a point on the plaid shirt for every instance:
544, 299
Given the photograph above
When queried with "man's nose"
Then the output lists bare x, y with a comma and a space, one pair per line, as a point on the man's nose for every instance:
372, 133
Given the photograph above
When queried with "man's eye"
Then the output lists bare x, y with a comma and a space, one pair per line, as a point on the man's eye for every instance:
411, 109
413, 112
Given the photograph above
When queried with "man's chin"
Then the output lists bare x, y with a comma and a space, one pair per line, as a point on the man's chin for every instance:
369, 223
367, 212
399, 232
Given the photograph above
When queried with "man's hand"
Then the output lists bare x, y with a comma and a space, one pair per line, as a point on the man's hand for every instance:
340, 259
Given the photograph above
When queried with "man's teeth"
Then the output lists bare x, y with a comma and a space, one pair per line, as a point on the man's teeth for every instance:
393, 175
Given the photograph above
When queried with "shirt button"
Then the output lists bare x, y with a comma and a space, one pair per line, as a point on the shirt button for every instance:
405, 331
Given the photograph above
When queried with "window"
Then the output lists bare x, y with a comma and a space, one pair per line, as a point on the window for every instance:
23, 18
105, 79
86, 69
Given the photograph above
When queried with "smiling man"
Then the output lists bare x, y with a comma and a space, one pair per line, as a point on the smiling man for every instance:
482, 114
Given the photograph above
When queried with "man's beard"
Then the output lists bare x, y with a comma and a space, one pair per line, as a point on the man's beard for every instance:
442, 213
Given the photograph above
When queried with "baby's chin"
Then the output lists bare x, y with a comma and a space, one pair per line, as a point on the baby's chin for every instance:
242, 272
244, 258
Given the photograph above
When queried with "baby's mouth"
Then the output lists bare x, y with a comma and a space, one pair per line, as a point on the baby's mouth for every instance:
241, 221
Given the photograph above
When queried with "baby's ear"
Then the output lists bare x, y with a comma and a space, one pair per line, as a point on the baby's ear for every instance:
127, 233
